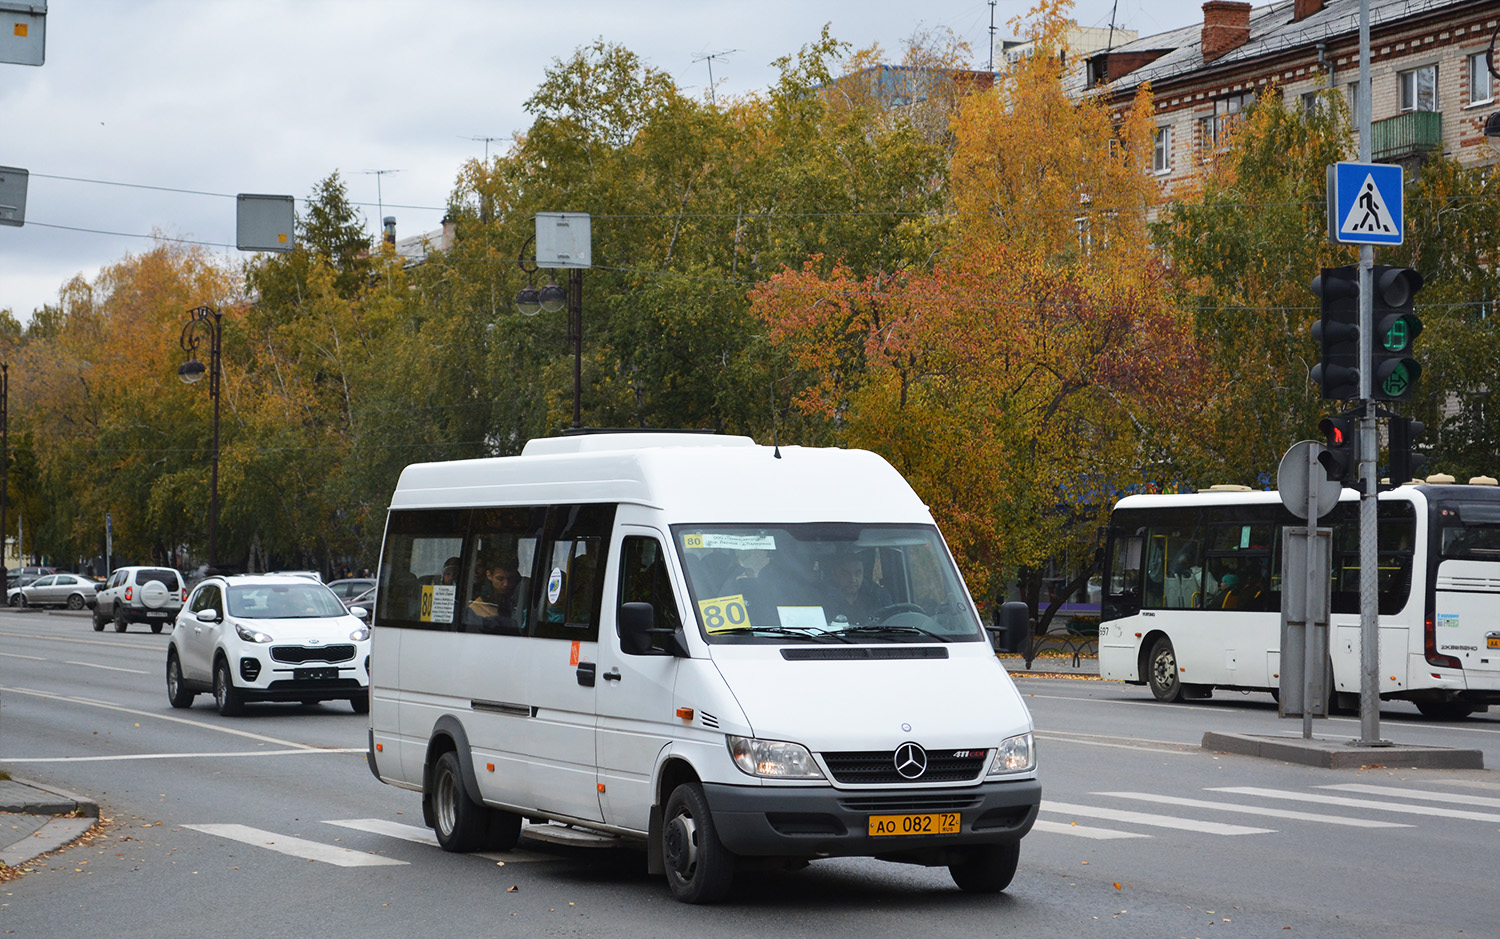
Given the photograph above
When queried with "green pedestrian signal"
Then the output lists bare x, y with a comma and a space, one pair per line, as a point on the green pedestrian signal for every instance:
1394, 372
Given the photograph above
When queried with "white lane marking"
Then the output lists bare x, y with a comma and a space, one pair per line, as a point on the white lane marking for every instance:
1143, 818
16, 655
113, 668
159, 716
1361, 803
1448, 797
380, 826
91, 642
1083, 831
1254, 810
207, 755
296, 847
1097, 740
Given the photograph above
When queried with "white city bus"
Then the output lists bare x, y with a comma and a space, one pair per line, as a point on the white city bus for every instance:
1192, 595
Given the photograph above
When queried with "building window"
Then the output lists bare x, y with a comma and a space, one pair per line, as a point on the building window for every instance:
1214, 128
1418, 88
1161, 155
1481, 89
1352, 90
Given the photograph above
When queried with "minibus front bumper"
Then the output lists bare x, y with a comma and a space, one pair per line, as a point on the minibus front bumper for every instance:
777, 821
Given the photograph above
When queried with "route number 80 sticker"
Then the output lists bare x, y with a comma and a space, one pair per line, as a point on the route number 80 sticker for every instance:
722, 614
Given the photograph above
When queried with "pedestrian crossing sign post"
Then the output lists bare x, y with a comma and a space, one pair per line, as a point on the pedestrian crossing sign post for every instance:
1365, 204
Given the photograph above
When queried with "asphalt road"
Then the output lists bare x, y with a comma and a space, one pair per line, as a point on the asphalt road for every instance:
271, 825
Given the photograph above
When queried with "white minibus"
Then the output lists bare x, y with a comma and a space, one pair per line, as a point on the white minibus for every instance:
725, 653
1192, 595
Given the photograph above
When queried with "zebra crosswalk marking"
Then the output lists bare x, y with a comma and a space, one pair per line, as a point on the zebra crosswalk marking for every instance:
1395, 791
1083, 831
1143, 818
295, 847
380, 826
1255, 810
1361, 803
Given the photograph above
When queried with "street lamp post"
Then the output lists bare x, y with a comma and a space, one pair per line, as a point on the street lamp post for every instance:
550, 299
4, 458
206, 319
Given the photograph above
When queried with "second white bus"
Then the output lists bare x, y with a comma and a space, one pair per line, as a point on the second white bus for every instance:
1192, 595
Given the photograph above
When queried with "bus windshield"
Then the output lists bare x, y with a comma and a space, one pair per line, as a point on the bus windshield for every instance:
828, 583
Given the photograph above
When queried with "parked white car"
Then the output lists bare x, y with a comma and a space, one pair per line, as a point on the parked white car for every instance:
267, 637
148, 595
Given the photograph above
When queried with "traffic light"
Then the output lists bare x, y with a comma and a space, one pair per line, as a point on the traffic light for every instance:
1341, 454
1404, 465
1337, 332
1394, 372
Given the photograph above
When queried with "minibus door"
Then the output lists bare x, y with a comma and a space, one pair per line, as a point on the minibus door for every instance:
637, 716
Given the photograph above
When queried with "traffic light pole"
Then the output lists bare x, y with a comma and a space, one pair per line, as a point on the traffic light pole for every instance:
1369, 479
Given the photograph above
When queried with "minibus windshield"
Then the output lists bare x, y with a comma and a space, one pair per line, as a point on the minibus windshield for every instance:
824, 582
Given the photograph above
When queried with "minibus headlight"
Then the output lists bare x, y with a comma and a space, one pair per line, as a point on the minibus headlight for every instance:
251, 635
1016, 755
772, 758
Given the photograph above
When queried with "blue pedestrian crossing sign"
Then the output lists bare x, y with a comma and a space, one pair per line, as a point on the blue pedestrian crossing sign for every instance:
1365, 204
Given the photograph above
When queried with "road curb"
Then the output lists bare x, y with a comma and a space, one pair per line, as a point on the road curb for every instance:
25, 797
1342, 753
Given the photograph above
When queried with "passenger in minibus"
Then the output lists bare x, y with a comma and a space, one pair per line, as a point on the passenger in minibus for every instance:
493, 608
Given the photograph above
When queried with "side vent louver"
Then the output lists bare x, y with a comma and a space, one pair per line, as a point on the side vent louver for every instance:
708, 720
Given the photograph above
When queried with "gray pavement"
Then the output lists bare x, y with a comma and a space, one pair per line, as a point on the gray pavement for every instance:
1052, 666
36, 819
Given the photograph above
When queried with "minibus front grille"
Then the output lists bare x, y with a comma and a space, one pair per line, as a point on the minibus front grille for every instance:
339, 653
870, 767
906, 803
861, 653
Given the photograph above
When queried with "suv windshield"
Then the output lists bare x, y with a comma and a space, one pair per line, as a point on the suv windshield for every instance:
283, 601
824, 582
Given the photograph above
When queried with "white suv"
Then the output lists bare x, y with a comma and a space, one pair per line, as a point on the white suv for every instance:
267, 637
149, 595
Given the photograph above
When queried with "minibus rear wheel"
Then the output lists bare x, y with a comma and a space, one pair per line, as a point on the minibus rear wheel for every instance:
458, 821
987, 868
699, 868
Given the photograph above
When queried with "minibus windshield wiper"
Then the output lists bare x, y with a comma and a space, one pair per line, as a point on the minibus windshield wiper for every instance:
789, 632
883, 630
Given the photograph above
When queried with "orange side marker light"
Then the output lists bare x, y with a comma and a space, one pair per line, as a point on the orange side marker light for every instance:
685, 713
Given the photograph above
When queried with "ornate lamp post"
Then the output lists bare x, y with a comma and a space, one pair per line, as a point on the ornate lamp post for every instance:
551, 299
206, 319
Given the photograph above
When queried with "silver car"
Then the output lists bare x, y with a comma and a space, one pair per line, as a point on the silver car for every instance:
73, 591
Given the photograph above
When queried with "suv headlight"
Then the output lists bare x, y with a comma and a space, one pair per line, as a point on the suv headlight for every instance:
251, 635
360, 634
1016, 755
772, 758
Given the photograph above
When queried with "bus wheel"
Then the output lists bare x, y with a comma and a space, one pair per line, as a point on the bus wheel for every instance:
699, 868
1444, 710
986, 869
457, 820
1161, 671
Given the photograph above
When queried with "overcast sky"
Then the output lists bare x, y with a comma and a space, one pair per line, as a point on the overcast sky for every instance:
271, 96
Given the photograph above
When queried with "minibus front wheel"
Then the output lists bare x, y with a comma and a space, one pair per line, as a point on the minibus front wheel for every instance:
987, 868
699, 868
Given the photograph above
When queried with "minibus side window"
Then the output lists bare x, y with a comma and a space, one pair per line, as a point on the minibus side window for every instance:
572, 571
644, 579
420, 570
499, 558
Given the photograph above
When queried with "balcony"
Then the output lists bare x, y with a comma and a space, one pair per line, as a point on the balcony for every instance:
1414, 133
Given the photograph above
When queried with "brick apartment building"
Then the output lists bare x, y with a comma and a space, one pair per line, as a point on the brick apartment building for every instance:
1431, 89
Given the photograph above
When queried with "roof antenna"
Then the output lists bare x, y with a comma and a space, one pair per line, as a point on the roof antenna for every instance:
709, 58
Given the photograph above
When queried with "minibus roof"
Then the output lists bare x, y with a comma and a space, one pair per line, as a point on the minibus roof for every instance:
690, 477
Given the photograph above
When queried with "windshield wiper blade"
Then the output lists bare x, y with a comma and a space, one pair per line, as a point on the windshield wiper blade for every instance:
790, 632
878, 630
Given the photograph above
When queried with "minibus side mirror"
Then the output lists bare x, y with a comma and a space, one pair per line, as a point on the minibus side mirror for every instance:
1015, 623
635, 623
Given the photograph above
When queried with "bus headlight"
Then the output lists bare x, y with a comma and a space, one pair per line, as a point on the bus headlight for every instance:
772, 758
1016, 755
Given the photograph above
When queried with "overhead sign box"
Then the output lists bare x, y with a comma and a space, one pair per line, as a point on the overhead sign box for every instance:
13, 195
23, 32
265, 223
564, 239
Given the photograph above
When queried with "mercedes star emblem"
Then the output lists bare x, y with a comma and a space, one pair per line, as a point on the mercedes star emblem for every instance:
911, 760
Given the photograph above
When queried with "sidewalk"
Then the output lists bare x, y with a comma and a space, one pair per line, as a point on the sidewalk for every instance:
39, 819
